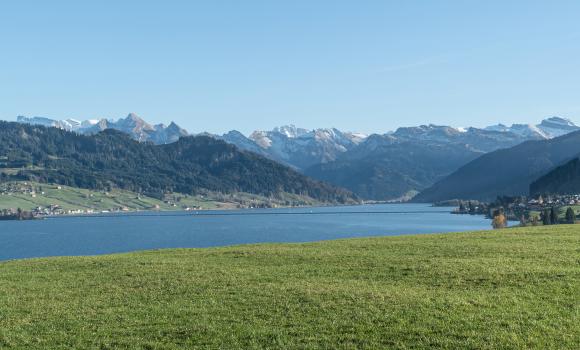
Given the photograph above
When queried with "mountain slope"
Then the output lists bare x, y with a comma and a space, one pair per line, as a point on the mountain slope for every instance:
381, 167
113, 159
301, 148
239, 140
504, 172
398, 165
393, 170
564, 179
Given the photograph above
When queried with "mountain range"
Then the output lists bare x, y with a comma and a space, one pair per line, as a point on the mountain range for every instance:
400, 164
395, 165
547, 129
299, 148
191, 165
132, 125
391, 166
507, 172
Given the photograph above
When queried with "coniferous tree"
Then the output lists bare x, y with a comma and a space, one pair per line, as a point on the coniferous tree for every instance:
554, 216
570, 215
546, 218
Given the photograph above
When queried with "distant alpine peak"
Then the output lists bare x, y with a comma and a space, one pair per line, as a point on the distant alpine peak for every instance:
173, 126
290, 131
132, 124
135, 122
547, 129
559, 122
498, 127
133, 116
428, 131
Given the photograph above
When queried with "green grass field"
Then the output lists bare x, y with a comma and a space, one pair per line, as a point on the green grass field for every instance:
72, 198
508, 289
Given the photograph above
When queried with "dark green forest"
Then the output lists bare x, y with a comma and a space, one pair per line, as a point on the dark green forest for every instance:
112, 159
564, 179
505, 172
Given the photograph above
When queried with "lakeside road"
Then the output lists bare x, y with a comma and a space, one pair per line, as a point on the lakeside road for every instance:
514, 288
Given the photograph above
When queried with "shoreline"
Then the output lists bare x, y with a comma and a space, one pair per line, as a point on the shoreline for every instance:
256, 244
247, 211
115, 232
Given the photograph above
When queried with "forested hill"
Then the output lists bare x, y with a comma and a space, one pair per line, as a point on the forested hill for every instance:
504, 172
113, 159
564, 179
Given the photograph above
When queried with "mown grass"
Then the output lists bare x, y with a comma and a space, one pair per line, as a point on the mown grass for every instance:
514, 288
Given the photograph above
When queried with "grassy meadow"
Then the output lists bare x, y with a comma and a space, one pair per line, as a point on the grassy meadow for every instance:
507, 289
74, 198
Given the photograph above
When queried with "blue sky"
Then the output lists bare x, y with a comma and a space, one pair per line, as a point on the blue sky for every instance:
366, 66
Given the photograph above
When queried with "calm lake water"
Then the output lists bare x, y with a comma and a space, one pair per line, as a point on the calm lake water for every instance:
91, 235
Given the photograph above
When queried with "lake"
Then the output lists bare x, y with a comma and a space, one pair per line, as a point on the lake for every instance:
91, 235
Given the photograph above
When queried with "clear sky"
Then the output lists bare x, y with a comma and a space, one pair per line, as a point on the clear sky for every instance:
366, 66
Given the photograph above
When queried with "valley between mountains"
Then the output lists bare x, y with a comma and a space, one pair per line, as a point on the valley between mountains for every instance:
419, 163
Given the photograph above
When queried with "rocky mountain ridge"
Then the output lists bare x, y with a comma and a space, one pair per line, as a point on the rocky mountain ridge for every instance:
132, 125
385, 166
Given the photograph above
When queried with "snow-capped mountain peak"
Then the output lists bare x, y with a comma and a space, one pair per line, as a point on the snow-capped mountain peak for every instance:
528, 130
559, 122
290, 131
261, 139
547, 129
557, 126
302, 148
132, 125
356, 137
498, 127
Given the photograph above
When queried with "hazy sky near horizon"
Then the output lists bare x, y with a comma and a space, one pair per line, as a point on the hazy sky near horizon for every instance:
368, 66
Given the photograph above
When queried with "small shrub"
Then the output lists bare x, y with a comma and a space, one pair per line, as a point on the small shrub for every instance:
499, 221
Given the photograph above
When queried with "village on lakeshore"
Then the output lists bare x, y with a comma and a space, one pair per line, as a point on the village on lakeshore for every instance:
25, 200
52, 205
545, 210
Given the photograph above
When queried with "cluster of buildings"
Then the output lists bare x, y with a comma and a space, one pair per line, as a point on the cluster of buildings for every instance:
18, 188
29, 190
553, 201
519, 207
55, 209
